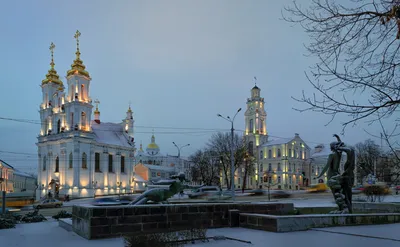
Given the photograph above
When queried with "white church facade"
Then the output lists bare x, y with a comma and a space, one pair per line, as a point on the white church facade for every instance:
280, 163
79, 156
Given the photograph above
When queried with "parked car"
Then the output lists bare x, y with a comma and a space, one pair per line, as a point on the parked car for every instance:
9, 210
204, 191
48, 203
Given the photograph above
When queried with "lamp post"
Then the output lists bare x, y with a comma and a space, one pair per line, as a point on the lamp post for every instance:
3, 196
231, 120
179, 150
269, 183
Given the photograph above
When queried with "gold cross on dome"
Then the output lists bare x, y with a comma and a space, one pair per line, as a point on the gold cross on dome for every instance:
52, 46
76, 36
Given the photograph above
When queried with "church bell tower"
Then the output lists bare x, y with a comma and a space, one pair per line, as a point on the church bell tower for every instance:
255, 121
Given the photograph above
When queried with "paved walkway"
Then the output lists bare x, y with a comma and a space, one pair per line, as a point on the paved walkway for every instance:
49, 234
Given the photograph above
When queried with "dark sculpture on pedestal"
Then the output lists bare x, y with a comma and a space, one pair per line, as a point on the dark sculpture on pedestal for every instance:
161, 195
340, 184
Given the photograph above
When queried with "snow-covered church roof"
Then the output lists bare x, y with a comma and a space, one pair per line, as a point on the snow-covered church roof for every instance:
111, 134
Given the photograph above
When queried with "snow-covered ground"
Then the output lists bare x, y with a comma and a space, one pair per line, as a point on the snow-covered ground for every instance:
49, 234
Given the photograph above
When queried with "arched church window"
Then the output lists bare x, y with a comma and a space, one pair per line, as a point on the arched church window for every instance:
58, 126
72, 119
83, 119
44, 163
57, 165
84, 161
251, 127
82, 92
70, 161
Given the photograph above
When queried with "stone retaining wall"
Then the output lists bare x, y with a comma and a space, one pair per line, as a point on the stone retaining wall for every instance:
92, 222
291, 223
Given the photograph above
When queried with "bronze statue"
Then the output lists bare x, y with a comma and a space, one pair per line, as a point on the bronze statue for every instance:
161, 195
340, 184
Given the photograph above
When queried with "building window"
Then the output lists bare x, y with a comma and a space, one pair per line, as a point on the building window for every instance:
84, 161
72, 120
70, 161
279, 167
290, 167
301, 154
97, 162
44, 163
261, 126
290, 153
261, 168
312, 169
110, 163
295, 153
153, 174
290, 180
57, 165
83, 121
279, 152
251, 127
58, 126
269, 154
269, 167
261, 155
122, 164
279, 179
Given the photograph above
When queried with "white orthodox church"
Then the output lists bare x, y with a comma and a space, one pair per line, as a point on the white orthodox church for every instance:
79, 156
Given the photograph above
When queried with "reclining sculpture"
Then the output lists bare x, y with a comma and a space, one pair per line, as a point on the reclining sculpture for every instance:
161, 195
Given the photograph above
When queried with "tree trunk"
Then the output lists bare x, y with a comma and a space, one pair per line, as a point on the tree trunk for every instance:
245, 177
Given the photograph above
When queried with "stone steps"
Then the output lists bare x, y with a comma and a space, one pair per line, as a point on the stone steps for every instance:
290, 223
65, 224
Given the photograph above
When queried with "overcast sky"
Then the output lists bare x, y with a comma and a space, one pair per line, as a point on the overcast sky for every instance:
179, 63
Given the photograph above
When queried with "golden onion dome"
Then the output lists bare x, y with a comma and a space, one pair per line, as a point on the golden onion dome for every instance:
77, 66
52, 76
152, 146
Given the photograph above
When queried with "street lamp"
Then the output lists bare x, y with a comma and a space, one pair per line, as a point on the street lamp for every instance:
231, 120
3, 196
179, 148
269, 183
179, 151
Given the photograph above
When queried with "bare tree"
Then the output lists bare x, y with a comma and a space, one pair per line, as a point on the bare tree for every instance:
368, 155
220, 144
357, 46
248, 167
206, 167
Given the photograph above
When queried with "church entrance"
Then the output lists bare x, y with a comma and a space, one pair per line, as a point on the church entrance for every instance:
55, 187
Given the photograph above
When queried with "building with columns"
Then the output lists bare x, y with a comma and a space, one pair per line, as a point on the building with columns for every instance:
280, 162
79, 156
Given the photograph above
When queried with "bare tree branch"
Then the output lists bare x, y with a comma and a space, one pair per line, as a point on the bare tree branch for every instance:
357, 47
